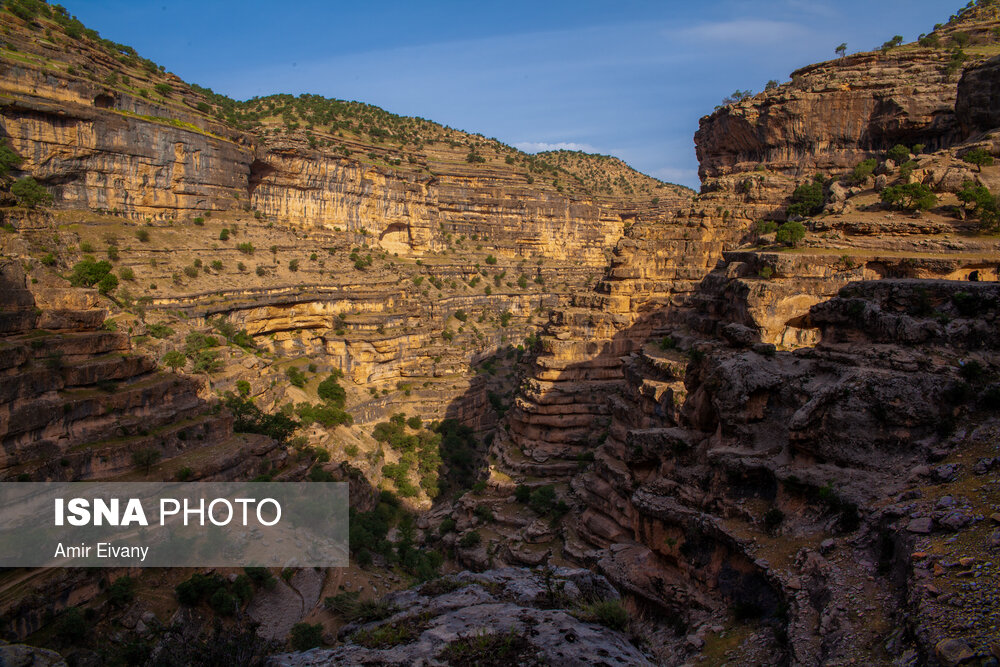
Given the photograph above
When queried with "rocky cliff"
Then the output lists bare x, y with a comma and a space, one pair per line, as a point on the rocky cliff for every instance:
833, 115
778, 445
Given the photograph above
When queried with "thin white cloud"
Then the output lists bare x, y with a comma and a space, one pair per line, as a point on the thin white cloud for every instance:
812, 7
539, 146
742, 32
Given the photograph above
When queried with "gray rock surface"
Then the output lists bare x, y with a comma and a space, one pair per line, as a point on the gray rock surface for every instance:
467, 606
21, 655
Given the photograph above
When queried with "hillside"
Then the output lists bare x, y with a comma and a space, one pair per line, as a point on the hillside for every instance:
752, 425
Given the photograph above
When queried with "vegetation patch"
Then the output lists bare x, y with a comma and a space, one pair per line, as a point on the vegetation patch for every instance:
492, 649
399, 632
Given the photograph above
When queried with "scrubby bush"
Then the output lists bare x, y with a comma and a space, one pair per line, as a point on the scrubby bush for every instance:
898, 153
296, 376
807, 199
330, 390
864, 170
979, 157
248, 418
609, 613
909, 197
30, 193
985, 205
790, 233
159, 330
470, 540
174, 359
305, 636
88, 272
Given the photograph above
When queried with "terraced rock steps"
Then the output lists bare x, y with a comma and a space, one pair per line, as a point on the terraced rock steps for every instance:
766, 487
77, 404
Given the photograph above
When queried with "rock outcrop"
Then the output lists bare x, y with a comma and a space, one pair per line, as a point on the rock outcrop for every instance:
977, 107
511, 615
833, 115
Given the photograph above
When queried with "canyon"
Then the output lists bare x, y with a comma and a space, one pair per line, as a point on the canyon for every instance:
633, 418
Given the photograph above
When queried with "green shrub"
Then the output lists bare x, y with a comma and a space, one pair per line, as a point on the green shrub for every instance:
89, 272
126, 273
790, 233
30, 193
248, 418
522, 493
985, 205
8, 159
864, 170
145, 458
772, 519
174, 359
122, 591
71, 627
543, 499
766, 226
807, 200
142, 235
159, 330
909, 197
330, 391
470, 540
245, 248
163, 89
296, 376
261, 576
609, 613
898, 153
979, 157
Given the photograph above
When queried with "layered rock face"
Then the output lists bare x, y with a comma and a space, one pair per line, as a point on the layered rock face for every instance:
410, 212
78, 404
833, 115
977, 107
731, 472
88, 129
104, 149
561, 412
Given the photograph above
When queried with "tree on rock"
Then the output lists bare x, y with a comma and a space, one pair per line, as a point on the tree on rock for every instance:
985, 205
30, 192
790, 233
898, 153
909, 197
807, 199
841, 50
145, 458
979, 157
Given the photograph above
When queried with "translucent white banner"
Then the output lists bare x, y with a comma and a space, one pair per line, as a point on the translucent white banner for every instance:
177, 524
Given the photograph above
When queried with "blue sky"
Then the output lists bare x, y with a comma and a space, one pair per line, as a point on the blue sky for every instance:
626, 78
